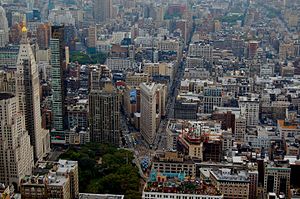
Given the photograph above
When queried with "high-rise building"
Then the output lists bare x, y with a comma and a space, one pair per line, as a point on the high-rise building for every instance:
102, 10
250, 109
15, 34
43, 36
70, 36
212, 97
57, 47
8, 56
92, 37
28, 92
104, 115
252, 48
29, 4
152, 108
16, 153
277, 180
4, 34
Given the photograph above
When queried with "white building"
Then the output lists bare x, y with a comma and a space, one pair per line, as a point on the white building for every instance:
119, 64
261, 138
61, 16
267, 70
99, 196
29, 97
155, 195
200, 50
16, 153
250, 108
152, 108
4, 36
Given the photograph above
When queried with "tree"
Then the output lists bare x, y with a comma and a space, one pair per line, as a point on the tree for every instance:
116, 174
86, 58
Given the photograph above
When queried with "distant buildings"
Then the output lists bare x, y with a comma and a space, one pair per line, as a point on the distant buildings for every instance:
102, 10
211, 87
4, 34
201, 50
43, 36
252, 48
92, 37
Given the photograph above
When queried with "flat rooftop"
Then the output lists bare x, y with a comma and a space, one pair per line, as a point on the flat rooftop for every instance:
230, 175
99, 196
178, 183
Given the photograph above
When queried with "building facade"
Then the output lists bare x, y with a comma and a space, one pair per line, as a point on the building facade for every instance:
57, 62
4, 33
104, 116
28, 92
152, 108
212, 97
250, 109
102, 10
277, 180
16, 153
231, 185
60, 181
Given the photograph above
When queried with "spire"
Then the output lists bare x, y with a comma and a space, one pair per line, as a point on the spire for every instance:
24, 32
24, 29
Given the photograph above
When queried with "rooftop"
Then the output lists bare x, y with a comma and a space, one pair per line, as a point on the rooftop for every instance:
230, 175
99, 196
178, 183
286, 125
52, 173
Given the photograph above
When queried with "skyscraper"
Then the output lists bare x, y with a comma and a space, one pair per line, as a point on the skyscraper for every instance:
4, 34
104, 115
102, 10
43, 36
152, 108
92, 38
57, 47
28, 92
16, 153
15, 34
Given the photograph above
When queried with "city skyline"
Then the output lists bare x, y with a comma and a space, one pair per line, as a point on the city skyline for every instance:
147, 99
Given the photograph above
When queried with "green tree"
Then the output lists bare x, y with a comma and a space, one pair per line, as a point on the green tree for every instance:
116, 174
